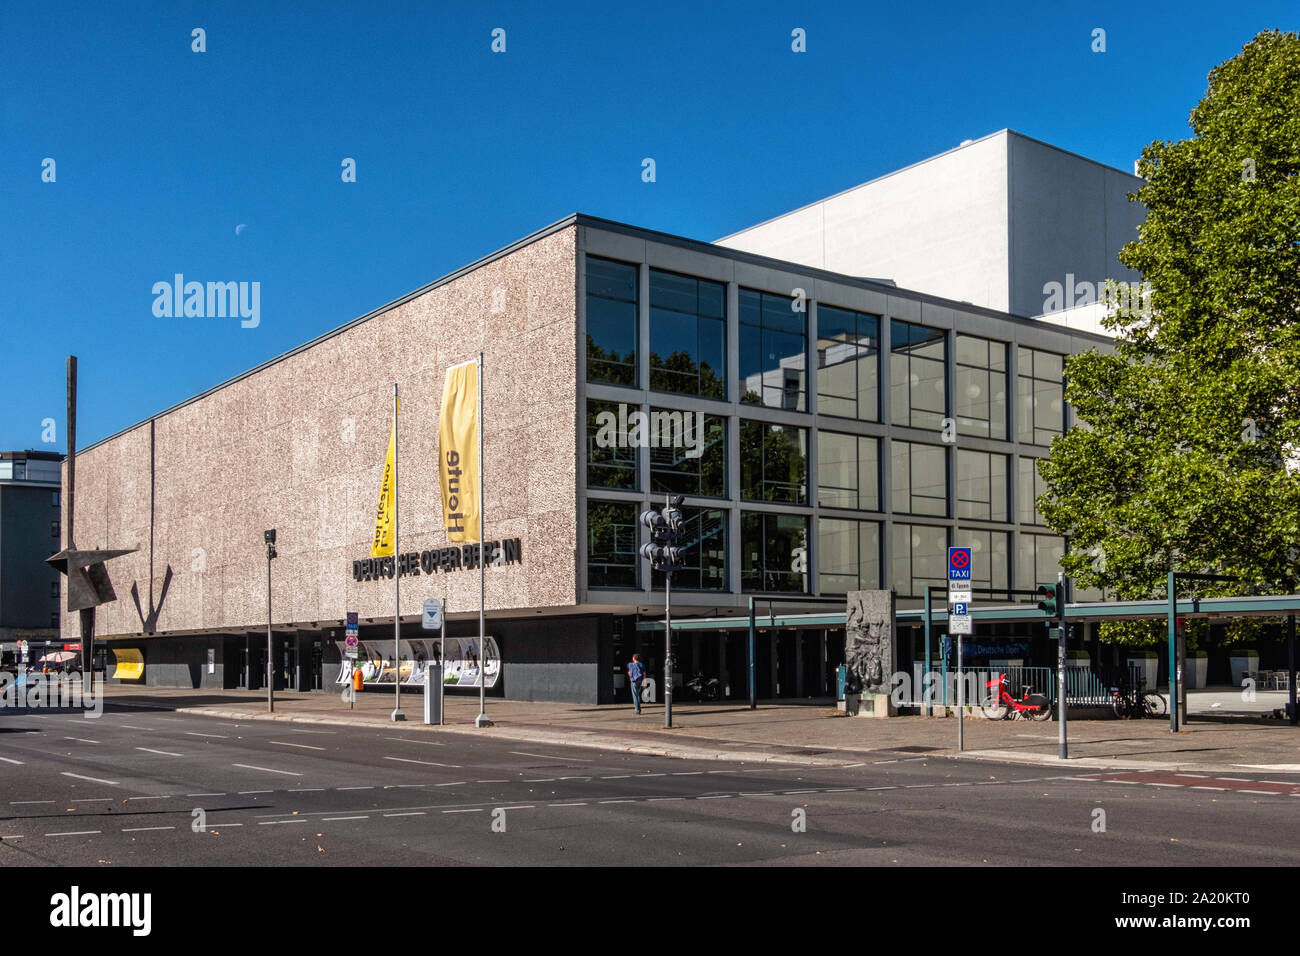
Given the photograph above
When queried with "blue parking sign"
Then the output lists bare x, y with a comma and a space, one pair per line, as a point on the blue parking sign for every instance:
959, 564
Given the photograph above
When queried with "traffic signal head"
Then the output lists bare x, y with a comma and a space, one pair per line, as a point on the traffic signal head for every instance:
662, 557
1051, 599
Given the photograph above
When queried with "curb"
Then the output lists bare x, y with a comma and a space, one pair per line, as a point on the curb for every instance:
590, 740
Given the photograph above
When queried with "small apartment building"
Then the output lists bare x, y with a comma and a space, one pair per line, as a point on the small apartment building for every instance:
29, 533
829, 432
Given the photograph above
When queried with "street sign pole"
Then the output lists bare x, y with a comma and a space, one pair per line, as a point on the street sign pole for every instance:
1063, 747
959, 623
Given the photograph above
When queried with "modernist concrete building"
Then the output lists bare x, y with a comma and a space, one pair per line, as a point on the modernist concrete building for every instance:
29, 533
849, 431
994, 222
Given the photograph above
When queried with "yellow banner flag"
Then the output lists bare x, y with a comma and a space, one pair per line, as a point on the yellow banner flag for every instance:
382, 544
458, 425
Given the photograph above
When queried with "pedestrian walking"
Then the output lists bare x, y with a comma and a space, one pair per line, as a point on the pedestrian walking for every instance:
635, 678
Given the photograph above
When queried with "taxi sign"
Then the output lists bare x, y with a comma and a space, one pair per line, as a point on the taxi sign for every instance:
959, 565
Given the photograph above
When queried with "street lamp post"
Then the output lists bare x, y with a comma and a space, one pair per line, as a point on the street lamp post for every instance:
269, 537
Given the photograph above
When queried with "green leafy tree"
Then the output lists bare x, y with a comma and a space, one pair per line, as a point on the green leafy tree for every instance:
1190, 456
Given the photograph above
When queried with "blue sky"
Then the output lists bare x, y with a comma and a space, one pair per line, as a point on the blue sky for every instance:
162, 152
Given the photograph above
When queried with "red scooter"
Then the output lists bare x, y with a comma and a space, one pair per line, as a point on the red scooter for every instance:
999, 704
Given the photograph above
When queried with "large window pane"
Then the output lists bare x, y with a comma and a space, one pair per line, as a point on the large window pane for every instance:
980, 404
774, 552
848, 363
611, 459
919, 478
773, 343
773, 462
918, 391
848, 555
918, 557
704, 552
697, 466
612, 557
1040, 408
1030, 486
1038, 559
848, 471
990, 551
981, 485
687, 335
611, 321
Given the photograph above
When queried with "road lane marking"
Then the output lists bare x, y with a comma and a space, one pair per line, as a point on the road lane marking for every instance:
688, 773
165, 753
331, 819
621, 776
539, 780
491, 781
247, 766
163, 796
429, 763
618, 801
205, 794
724, 796
271, 823
133, 727
191, 733
144, 829
408, 740
307, 790
69, 773
244, 793
573, 804
81, 740
521, 753
285, 743
474, 810
355, 788
75, 833
412, 813
525, 806
92, 800
18, 803
455, 783
656, 799
11, 760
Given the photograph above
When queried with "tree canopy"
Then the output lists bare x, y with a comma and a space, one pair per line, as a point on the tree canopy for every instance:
1189, 457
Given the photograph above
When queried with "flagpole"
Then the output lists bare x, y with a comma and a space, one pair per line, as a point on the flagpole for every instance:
397, 584
481, 720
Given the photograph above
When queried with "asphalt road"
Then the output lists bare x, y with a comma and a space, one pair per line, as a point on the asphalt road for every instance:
157, 788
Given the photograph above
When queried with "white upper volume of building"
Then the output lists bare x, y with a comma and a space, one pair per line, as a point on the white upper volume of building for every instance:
1005, 222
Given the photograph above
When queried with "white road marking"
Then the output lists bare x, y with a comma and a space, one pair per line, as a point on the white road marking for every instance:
191, 733
163, 796
355, 788
92, 800
408, 740
573, 804
456, 783
330, 819
134, 727
662, 774
688, 773
474, 810
724, 796
271, 823
428, 763
520, 753
622, 776
657, 799
491, 781
525, 806
325, 733
81, 740
68, 773
144, 829
307, 790
539, 780
205, 794
803, 791
618, 801
1267, 793
244, 793
1220, 789
76, 833
11, 760
413, 813
285, 743
165, 753
287, 773
18, 803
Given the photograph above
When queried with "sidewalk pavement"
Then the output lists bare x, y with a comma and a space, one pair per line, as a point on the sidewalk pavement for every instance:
810, 733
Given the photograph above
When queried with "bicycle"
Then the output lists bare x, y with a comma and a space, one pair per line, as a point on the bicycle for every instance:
1001, 705
1129, 701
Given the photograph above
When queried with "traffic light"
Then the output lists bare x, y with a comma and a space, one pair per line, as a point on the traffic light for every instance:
1052, 603
664, 553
